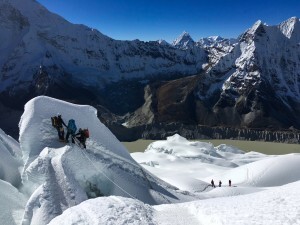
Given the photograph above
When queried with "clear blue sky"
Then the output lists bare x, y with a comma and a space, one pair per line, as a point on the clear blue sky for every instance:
159, 19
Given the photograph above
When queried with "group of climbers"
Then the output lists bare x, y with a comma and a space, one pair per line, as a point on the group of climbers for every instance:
81, 136
220, 183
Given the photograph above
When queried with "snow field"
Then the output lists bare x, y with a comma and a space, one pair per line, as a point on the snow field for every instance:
60, 178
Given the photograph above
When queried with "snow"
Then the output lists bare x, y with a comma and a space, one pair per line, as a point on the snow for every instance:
288, 27
10, 160
111, 210
276, 206
35, 122
12, 204
168, 183
33, 36
184, 41
57, 176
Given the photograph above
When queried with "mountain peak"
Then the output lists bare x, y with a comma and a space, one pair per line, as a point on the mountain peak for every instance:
287, 27
210, 40
162, 42
215, 38
183, 41
255, 27
258, 29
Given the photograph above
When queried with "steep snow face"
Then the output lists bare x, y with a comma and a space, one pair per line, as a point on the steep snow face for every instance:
217, 48
257, 84
10, 160
262, 59
259, 56
290, 27
36, 132
59, 175
76, 52
12, 204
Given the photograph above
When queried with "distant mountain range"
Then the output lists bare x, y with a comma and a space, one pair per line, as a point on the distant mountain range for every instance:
249, 82
252, 83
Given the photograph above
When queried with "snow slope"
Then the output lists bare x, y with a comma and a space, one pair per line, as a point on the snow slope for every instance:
12, 204
259, 199
10, 160
276, 206
59, 176
76, 52
168, 160
263, 54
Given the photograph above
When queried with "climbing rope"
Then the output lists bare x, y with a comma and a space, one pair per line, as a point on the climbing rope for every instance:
83, 151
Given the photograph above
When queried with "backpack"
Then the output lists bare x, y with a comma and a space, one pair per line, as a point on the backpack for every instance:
72, 126
86, 133
54, 121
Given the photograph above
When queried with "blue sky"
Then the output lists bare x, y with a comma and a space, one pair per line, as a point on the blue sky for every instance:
158, 19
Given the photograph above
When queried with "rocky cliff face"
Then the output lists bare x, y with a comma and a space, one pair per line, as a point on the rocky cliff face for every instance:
254, 85
160, 131
257, 84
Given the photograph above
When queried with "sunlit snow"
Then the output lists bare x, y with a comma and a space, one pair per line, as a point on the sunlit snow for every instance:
168, 183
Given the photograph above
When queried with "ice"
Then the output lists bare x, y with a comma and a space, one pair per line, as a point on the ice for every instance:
59, 176
169, 183
110, 210
12, 204
10, 160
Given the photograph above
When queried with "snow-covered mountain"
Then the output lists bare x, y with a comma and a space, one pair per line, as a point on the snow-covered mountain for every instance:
253, 83
216, 41
257, 83
31, 37
184, 41
217, 47
104, 184
250, 82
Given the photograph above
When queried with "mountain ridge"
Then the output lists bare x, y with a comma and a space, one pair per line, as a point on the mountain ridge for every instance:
250, 82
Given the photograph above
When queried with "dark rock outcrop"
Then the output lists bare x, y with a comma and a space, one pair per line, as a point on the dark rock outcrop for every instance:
163, 130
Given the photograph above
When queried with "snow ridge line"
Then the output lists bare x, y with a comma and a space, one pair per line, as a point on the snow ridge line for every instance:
107, 176
137, 166
111, 154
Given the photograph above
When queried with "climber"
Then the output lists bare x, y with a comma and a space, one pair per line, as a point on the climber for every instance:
213, 183
58, 123
82, 135
71, 130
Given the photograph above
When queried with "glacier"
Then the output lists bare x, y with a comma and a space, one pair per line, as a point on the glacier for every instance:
58, 176
44, 181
